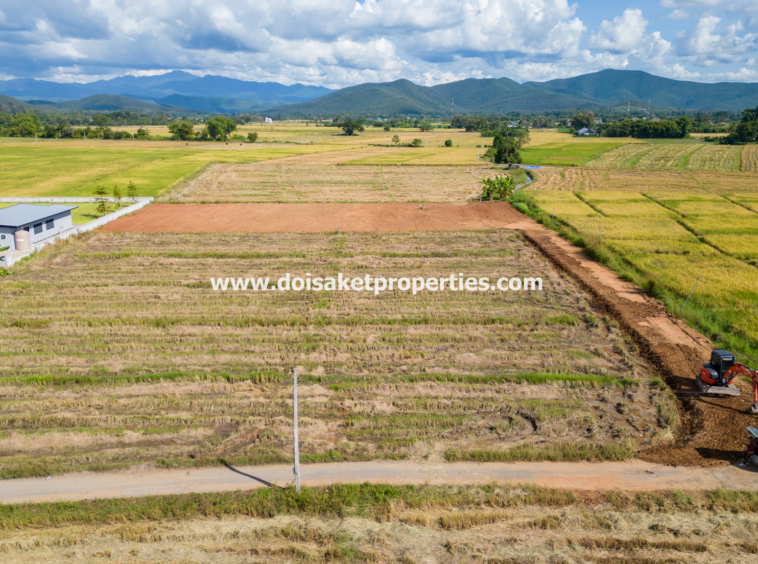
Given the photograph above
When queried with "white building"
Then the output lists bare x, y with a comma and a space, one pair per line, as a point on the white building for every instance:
24, 225
268, 120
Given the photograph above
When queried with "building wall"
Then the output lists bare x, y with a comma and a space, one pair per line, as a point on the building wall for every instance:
8, 241
50, 227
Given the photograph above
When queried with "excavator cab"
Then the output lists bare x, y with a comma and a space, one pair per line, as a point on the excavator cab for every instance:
716, 376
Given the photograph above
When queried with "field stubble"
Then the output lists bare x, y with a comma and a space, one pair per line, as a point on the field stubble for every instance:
381, 523
117, 346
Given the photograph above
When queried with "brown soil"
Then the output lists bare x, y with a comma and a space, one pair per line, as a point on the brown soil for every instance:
314, 218
712, 429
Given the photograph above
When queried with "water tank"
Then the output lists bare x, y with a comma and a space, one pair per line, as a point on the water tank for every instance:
23, 240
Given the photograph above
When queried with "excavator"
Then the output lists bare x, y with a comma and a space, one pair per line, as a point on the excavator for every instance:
716, 377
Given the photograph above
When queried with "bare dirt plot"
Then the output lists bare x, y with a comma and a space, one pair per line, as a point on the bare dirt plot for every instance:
393, 375
315, 218
319, 178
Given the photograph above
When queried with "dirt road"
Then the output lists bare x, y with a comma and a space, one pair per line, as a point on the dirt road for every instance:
628, 476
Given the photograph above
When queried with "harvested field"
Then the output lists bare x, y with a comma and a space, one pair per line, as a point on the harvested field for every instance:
117, 351
314, 218
676, 156
385, 523
749, 160
320, 178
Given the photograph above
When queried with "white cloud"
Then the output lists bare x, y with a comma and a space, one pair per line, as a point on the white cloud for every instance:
677, 15
343, 42
703, 46
621, 35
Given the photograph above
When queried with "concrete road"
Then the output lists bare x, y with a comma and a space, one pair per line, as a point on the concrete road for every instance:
629, 476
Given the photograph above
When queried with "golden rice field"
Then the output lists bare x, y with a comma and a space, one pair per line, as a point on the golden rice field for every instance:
670, 156
673, 230
116, 351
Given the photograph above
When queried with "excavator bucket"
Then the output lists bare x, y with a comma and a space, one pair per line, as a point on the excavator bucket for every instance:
753, 409
730, 390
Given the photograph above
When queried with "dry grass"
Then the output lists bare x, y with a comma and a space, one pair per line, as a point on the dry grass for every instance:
92, 327
321, 178
382, 523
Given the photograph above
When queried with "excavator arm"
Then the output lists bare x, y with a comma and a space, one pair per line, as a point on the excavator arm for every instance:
753, 375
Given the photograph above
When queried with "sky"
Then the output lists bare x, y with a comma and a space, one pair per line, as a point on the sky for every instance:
338, 43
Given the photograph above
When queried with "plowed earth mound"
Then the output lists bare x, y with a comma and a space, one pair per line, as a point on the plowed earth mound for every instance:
712, 430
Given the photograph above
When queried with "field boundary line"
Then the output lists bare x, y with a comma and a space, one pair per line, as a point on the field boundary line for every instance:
680, 219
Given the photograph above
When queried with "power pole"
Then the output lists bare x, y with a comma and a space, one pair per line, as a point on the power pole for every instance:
296, 470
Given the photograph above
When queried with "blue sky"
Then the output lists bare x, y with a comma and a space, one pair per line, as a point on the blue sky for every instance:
337, 43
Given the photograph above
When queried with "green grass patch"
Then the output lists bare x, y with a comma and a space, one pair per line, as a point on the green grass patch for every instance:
566, 154
359, 500
567, 452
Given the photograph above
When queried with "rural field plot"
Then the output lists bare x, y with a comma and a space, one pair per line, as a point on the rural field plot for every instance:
387, 523
72, 168
590, 179
673, 156
117, 350
665, 245
566, 154
725, 158
320, 178
749, 160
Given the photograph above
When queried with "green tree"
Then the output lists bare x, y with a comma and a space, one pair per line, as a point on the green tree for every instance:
131, 191
101, 120
182, 130
117, 196
219, 127
506, 149
498, 188
582, 120
424, 126
27, 124
749, 115
417, 143
101, 198
684, 124
386, 128
396, 139
350, 126
448, 143
252, 137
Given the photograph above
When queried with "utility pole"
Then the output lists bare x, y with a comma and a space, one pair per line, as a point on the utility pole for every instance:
296, 470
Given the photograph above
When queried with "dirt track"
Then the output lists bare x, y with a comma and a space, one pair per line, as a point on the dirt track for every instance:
628, 476
314, 218
712, 429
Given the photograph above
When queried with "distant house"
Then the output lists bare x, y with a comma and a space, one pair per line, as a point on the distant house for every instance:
585, 132
24, 225
268, 120
598, 120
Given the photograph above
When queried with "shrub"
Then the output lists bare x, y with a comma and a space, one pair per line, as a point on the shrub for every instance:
449, 143
417, 143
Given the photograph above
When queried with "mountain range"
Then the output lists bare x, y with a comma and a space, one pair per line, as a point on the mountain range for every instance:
593, 91
177, 91
217, 94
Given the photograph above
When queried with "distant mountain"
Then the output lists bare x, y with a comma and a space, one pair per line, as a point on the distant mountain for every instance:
102, 103
614, 86
164, 85
404, 97
11, 105
603, 89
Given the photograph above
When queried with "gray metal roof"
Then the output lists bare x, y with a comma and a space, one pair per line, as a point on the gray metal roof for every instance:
24, 214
